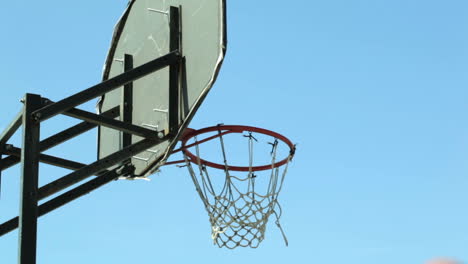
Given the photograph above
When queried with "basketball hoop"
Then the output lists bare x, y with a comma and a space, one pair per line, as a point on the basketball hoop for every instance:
238, 206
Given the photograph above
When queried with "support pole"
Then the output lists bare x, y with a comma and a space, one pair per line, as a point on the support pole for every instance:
29, 182
174, 71
126, 107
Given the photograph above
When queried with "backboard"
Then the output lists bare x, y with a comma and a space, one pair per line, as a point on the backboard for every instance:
143, 32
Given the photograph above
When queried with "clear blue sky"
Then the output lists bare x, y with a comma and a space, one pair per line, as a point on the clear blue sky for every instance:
373, 91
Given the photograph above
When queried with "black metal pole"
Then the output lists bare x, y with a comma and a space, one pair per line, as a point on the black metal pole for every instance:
174, 71
126, 107
29, 182
106, 86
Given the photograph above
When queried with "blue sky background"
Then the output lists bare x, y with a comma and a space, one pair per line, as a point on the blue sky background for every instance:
373, 91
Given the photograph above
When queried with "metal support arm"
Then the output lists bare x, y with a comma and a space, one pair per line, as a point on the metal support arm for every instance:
95, 167
11, 129
29, 181
60, 138
47, 159
37, 109
112, 123
106, 86
63, 199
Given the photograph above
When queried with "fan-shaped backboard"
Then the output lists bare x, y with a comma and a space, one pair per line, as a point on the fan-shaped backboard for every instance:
144, 33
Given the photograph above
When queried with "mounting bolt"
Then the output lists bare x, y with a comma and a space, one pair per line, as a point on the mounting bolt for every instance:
37, 116
160, 135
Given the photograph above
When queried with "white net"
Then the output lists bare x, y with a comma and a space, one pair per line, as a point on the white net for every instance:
239, 207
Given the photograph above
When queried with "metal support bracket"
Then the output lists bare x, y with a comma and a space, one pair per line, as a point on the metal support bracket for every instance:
59, 138
106, 86
29, 181
126, 106
174, 70
37, 110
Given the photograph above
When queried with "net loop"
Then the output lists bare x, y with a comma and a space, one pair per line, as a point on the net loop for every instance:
239, 206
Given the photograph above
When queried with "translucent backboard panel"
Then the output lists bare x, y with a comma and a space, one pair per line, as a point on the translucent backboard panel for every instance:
143, 32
